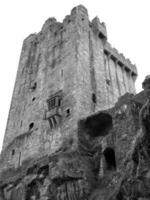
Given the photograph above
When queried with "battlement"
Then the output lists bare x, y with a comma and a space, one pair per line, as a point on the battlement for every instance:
80, 9
100, 27
120, 58
78, 16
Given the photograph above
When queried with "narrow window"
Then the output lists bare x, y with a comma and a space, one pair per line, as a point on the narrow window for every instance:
13, 152
68, 112
33, 99
31, 126
59, 102
19, 161
94, 98
107, 81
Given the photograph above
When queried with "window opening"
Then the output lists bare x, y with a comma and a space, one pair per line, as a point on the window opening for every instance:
19, 162
33, 99
110, 159
94, 98
13, 152
31, 126
108, 81
54, 102
68, 112
101, 36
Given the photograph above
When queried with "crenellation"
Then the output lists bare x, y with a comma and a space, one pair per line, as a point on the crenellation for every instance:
79, 11
120, 57
99, 27
32, 37
48, 23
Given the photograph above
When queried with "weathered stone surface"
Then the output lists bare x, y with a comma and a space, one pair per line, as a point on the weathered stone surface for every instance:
76, 130
113, 164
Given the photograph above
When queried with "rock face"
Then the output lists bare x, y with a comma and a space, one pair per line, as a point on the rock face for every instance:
76, 129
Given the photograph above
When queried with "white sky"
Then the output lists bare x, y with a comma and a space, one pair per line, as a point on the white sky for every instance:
128, 28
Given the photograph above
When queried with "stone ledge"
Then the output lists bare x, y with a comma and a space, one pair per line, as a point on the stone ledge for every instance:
11, 174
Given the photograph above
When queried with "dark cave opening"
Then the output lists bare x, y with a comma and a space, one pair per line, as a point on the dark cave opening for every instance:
99, 125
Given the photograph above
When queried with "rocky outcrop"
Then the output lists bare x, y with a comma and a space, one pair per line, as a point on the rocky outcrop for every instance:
111, 162
136, 184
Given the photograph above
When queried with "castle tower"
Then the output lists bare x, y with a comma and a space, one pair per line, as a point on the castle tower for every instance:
66, 72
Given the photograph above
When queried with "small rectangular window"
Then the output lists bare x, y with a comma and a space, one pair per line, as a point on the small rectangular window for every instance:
54, 102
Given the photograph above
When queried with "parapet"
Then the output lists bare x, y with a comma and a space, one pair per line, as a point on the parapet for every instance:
120, 58
100, 27
48, 23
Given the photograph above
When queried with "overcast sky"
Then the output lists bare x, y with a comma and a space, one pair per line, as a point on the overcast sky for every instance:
128, 28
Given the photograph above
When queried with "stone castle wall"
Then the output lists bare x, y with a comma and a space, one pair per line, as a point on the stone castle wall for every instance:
76, 129
72, 63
